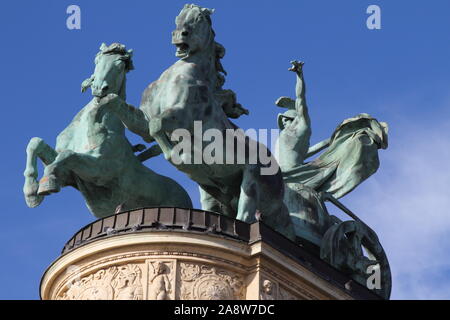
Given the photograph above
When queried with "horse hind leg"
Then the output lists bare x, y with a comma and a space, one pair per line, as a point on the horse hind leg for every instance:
249, 197
51, 181
70, 165
36, 148
259, 194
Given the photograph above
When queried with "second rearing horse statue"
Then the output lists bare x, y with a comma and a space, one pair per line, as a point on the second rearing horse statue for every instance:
186, 94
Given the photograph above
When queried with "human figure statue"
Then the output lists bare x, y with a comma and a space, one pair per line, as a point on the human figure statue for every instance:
267, 291
308, 213
127, 284
295, 124
160, 283
351, 154
191, 91
94, 156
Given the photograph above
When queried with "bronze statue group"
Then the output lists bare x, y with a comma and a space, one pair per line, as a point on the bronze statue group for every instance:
94, 156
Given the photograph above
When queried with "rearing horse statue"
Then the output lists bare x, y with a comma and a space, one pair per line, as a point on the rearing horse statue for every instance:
94, 156
188, 92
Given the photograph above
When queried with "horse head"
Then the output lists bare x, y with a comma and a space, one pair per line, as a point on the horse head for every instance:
193, 33
111, 65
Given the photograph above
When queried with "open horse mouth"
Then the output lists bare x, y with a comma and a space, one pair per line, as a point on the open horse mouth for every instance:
182, 49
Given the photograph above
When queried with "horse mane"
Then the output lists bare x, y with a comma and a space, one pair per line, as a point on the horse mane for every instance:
117, 48
225, 97
204, 12
218, 49
114, 48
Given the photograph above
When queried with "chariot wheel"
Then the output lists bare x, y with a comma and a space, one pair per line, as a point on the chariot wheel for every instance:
354, 248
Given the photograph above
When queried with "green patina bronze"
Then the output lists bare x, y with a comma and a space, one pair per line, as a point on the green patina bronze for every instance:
349, 157
190, 90
351, 154
93, 155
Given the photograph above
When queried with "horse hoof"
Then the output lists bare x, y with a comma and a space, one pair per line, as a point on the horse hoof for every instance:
48, 185
33, 200
30, 192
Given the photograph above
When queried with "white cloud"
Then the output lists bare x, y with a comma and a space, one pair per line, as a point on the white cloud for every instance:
407, 202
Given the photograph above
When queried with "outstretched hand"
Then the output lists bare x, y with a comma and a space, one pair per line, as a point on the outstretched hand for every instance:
297, 66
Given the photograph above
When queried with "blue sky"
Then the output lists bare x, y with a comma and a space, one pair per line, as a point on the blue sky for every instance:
398, 74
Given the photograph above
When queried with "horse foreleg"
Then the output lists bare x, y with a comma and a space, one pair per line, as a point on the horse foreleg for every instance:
36, 148
165, 145
155, 129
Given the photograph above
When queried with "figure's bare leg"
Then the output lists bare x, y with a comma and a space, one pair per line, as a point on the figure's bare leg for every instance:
36, 148
84, 166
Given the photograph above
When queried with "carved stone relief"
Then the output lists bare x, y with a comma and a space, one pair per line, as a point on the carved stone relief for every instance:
113, 283
161, 280
169, 279
203, 282
268, 290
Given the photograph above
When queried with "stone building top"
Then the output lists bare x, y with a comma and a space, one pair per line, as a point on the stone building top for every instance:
191, 221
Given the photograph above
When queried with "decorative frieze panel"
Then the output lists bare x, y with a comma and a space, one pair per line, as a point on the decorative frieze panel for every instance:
157, 279
161, 282
122, 282
206, 282
191, 267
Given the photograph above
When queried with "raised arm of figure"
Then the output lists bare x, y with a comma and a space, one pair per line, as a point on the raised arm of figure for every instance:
300, 100
296, 134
